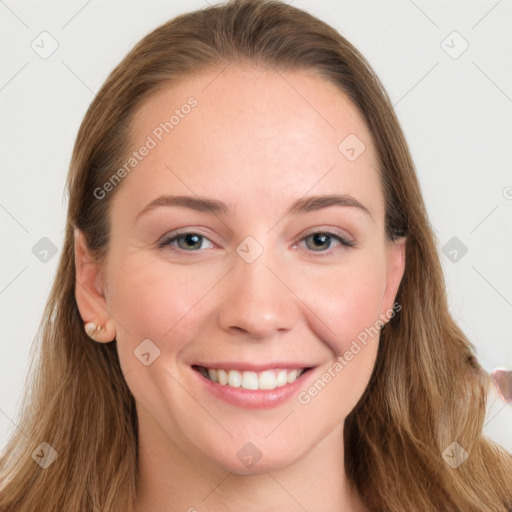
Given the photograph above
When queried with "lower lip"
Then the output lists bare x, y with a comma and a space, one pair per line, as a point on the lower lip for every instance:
254, 398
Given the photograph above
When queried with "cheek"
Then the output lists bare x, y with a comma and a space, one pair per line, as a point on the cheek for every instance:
346, 300
151, 298
357, 307
346, 315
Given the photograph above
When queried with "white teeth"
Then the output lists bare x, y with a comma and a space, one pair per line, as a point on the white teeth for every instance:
234, 378
291, 376
249, 380
222, 376
282, 378
267, 379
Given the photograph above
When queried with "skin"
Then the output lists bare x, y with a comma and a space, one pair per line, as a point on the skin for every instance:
257, 141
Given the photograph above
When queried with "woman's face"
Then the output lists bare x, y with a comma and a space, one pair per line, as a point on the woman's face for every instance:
246, 239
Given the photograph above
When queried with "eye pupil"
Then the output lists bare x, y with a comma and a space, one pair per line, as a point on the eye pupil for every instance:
321, 241
191, 241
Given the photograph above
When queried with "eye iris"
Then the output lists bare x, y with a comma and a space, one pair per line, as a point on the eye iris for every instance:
321, 241
190, 241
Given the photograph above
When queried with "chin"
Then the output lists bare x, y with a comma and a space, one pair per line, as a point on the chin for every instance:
253, 458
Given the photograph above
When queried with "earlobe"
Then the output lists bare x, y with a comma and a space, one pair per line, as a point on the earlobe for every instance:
89, 293
101, 333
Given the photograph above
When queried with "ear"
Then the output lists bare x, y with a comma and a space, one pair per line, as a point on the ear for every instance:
89, 292
395, 272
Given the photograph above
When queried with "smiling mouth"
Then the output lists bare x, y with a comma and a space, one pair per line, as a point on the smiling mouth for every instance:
264, 380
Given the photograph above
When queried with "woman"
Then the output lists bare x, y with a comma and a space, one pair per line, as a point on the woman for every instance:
249, 312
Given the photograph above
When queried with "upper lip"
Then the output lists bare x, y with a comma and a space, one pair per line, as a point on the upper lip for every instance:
242, 366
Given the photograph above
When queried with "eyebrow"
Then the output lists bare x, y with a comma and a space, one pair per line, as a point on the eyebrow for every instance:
301, 206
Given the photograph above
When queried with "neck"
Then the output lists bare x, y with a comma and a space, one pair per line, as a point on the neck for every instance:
170, 479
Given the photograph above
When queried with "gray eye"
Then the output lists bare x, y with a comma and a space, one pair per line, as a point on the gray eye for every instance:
189, 241
318, 241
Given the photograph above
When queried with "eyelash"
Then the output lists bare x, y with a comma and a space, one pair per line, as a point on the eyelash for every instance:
343, 241
172, 237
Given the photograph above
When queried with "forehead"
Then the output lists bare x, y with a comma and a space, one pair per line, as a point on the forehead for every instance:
243, 132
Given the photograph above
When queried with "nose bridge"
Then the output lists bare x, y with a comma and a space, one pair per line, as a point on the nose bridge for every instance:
256, 301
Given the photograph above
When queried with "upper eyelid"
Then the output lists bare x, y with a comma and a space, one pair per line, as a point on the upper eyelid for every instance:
328, 231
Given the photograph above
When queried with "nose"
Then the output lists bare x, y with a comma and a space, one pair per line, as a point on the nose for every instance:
257, 302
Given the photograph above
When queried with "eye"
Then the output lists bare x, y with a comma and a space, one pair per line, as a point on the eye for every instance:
188, 241
322, 241
318, 241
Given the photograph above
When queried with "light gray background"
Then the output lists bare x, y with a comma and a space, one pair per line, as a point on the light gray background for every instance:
456, 111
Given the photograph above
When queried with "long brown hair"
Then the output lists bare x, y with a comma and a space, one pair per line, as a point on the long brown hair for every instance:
426, 391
